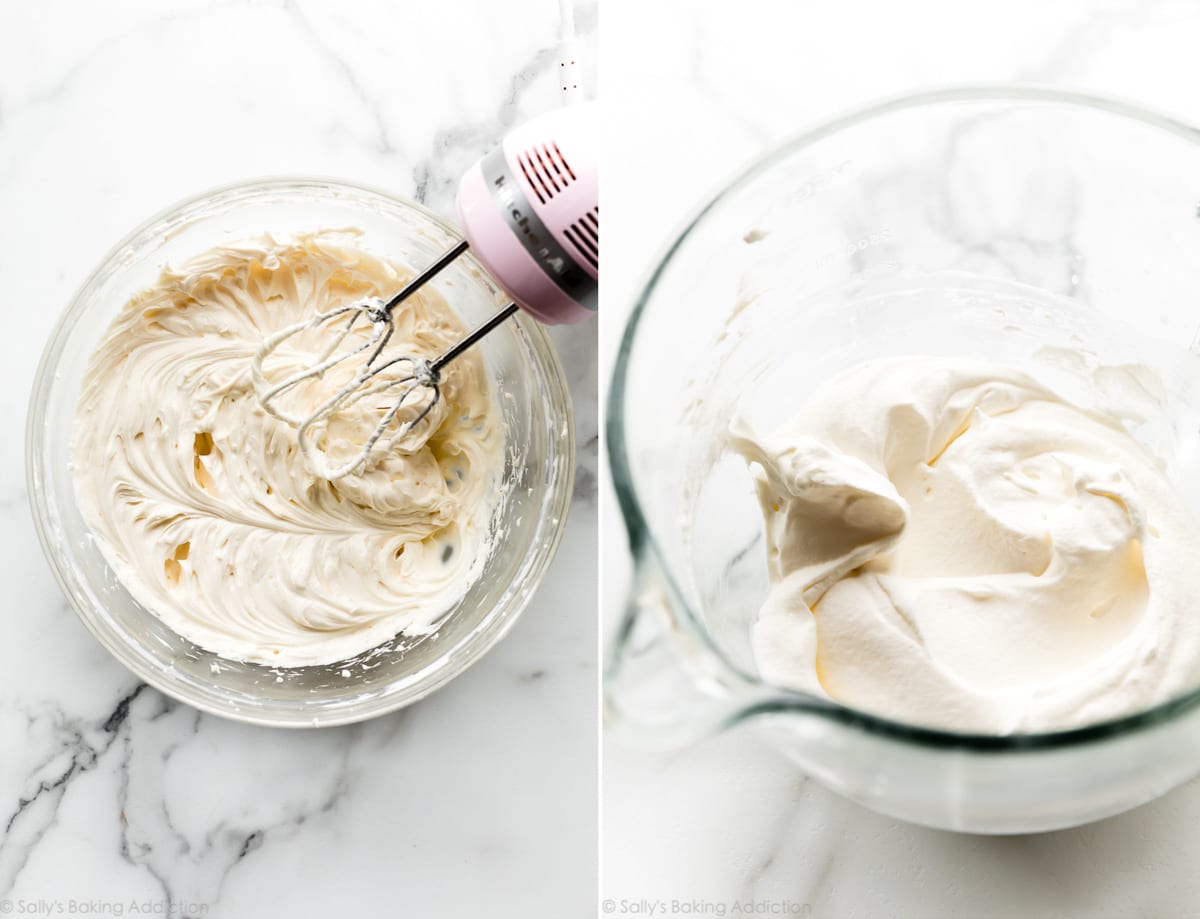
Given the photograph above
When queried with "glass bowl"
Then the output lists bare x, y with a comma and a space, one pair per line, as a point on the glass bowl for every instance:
537, 479
1011, 223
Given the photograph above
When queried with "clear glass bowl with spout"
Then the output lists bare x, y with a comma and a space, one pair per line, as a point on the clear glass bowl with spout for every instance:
537, 478
997, 223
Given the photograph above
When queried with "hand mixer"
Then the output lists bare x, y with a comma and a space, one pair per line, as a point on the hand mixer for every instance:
530, 213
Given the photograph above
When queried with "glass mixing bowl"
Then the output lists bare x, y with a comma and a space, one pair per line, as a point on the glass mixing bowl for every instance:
539, 463
1019, 224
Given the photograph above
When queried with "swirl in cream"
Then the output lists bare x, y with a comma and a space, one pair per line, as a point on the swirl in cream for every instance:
201, 501
952, 543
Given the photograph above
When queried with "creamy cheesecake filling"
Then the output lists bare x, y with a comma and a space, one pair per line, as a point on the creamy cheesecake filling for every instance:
202, 502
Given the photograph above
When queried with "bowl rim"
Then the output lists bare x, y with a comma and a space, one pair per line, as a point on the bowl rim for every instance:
474, 645
769, 699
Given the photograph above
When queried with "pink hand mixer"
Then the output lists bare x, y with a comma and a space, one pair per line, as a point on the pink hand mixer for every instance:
530, 213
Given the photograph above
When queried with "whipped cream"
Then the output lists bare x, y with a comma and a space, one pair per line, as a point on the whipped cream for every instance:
202, 503
952, 543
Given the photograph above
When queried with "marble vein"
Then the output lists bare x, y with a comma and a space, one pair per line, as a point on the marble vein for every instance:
346, 72
80, 747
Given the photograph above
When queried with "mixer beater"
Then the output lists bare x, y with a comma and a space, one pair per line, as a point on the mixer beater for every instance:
530, 213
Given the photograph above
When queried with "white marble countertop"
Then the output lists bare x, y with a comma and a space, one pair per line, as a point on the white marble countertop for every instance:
113, 796
704, 86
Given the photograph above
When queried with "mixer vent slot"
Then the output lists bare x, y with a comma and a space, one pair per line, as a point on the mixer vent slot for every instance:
584, 235
546, 170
